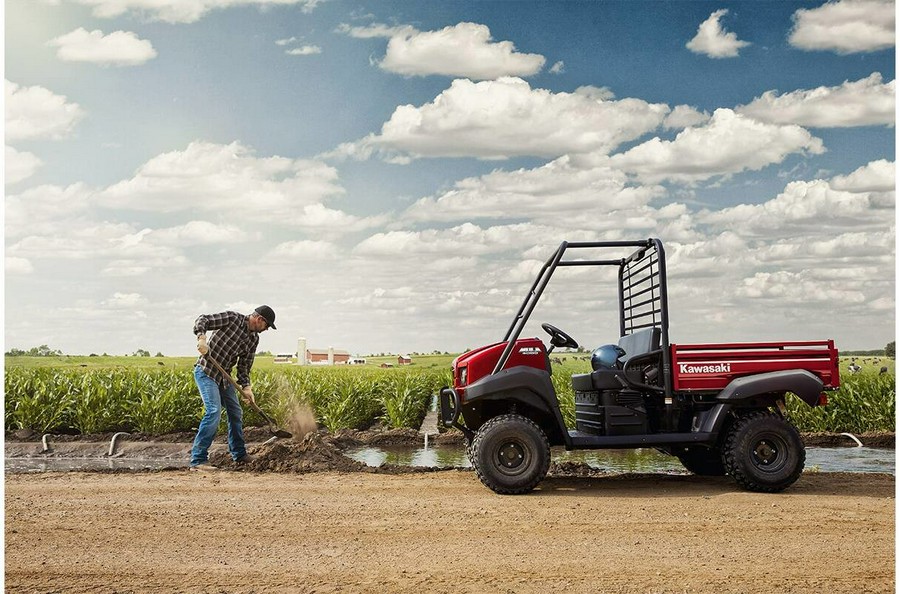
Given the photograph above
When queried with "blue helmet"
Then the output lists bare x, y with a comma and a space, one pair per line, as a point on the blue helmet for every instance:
606, 357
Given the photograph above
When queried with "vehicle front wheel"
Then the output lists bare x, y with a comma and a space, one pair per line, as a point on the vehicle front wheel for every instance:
511, 454
764, 452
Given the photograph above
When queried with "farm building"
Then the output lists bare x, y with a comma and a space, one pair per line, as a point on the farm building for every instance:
327, 356
284, 358
404, 360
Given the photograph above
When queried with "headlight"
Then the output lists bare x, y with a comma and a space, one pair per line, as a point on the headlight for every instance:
463, 376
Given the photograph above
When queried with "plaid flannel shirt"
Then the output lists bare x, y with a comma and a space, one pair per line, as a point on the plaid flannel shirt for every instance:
231, 344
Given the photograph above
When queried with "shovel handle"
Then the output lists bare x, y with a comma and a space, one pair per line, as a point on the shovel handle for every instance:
236, 385
239, 388
225, 373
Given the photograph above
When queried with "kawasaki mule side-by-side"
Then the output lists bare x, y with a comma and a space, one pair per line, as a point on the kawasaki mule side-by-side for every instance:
719, 408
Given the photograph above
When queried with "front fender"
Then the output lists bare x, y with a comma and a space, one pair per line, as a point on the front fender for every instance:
525, 385
799, 381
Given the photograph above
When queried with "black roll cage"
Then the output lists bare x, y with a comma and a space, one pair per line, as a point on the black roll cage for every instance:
643, 296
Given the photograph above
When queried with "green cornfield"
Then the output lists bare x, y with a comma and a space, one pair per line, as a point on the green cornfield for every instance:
163, 401
156, 401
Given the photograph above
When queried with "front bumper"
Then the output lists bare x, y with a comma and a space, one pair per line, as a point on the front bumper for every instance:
451, 409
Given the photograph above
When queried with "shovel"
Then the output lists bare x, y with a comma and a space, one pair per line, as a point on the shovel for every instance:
272, 428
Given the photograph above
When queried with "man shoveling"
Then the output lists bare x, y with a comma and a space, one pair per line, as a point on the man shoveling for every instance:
233, 343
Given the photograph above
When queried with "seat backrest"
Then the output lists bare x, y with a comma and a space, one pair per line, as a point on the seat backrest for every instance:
638, 343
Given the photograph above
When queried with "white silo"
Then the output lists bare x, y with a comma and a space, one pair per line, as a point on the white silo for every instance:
301, 351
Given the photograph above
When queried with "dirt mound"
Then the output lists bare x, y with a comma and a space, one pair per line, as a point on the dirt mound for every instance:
312, 453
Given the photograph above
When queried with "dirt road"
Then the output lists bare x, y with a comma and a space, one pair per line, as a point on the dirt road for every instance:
177, 531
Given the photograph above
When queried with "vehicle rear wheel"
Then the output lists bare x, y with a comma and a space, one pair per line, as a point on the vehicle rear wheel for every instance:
511, 454
702, 461
764, 452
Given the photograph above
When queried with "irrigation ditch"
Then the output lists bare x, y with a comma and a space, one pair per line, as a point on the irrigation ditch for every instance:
381, 451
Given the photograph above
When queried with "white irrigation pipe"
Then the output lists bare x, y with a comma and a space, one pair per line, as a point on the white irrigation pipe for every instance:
45, 443
112, 442
854, 438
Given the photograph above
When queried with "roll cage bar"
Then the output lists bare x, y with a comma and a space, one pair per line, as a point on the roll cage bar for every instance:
643, 297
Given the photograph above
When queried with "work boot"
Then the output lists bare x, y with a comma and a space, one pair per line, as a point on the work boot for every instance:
246, 459
204, 467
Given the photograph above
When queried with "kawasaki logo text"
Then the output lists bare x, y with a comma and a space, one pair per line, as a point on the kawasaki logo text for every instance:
720, 368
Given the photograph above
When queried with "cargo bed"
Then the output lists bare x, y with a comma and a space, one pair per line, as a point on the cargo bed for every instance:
710, 367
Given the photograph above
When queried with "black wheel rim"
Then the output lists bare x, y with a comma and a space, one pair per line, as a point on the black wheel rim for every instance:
769, 453
512, 457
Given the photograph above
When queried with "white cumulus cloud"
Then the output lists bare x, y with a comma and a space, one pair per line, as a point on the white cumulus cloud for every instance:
727, 144
713, 41
462, 50
119, 48
198, 233
230, 178
506, 118
37, 113
876, 176
864, 102
685, 116
20, 165
555, 192
305, 249
14, 265
306, 50
125, 301
181, 11
845, 26
805, 207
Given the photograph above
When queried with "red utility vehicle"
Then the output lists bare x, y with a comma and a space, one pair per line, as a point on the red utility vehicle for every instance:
719, 408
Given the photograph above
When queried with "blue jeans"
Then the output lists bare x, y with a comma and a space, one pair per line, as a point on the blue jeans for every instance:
213, 398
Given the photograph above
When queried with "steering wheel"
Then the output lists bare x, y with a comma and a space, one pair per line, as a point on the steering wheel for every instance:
558, 338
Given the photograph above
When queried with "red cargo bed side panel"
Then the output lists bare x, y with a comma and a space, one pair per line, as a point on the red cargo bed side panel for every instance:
710, 367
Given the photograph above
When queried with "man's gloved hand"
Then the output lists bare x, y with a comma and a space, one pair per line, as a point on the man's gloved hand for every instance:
201, 344
247, 393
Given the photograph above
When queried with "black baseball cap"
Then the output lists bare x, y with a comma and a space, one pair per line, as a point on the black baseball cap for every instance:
266, 312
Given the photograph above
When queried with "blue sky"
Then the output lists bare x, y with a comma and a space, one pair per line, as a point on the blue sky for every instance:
389, 176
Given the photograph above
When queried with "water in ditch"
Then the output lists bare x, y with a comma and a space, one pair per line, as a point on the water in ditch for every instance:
847, 459
637, 460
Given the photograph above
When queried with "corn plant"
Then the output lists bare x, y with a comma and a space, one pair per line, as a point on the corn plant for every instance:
163, 402
864, 402
39, 402
405, 400
100, 403
562, 384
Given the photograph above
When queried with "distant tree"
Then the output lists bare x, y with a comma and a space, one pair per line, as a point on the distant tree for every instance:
92, 355
890, 350
159, 354
43, 351
15, 353
141, 353
264, 354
